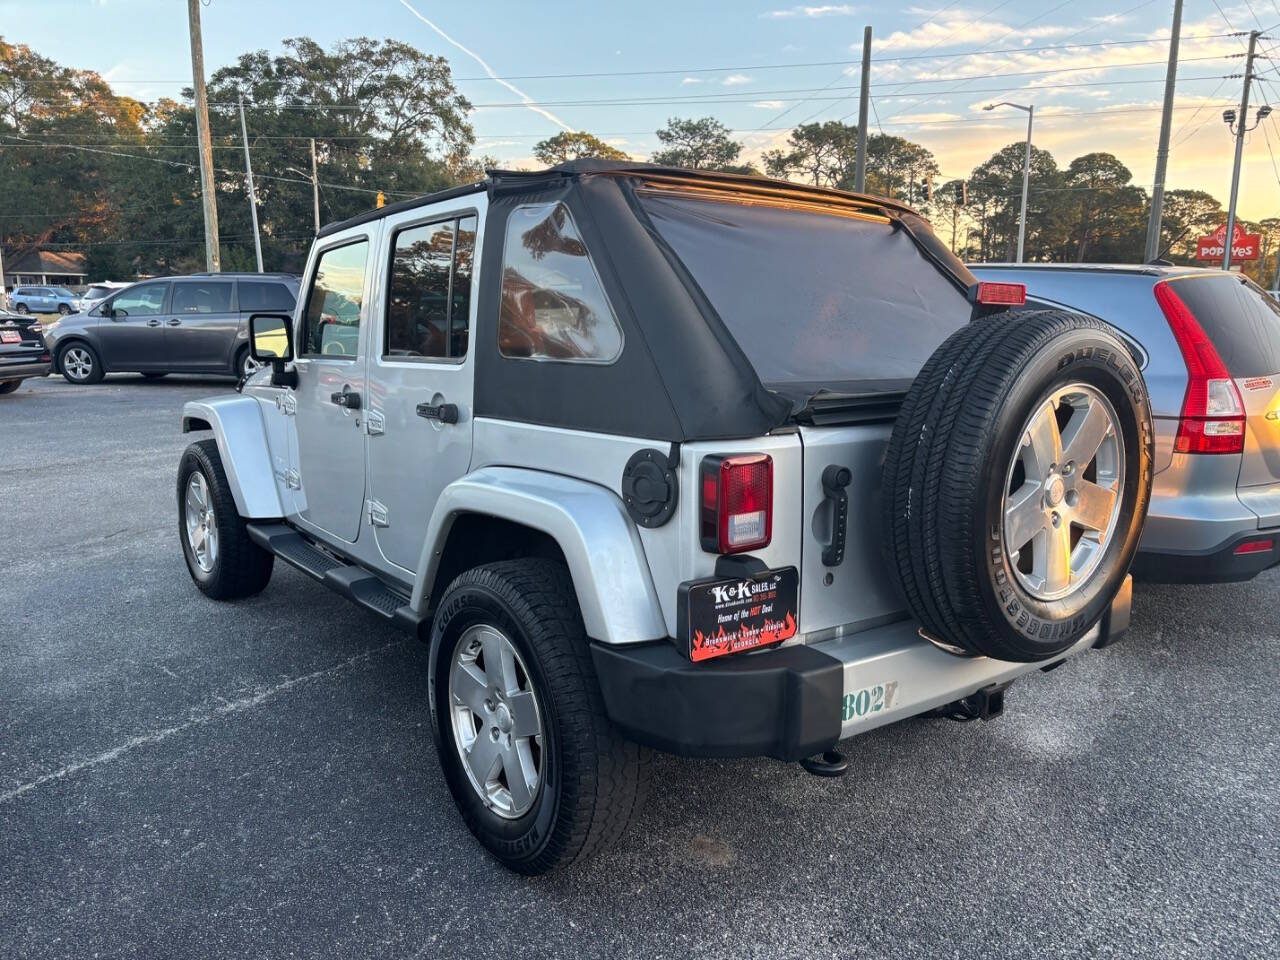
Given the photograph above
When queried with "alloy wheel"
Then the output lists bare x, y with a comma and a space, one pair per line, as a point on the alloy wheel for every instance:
1063, 490
77, 363
497, 721
201, 522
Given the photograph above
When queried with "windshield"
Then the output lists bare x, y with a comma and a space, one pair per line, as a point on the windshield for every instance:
62, 292
813, 297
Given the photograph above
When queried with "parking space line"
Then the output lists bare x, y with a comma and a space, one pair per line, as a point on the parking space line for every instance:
223, 710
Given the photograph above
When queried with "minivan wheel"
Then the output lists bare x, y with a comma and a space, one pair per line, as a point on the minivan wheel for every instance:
224, 563
246, 366
79, 363
1016, 483
539, 773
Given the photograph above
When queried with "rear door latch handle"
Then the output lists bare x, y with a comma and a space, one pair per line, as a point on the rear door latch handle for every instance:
346, 397
174, 322
444, 412
834, 480
153, 323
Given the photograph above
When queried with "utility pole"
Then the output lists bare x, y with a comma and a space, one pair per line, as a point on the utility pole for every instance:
1275, 280
864, 98
1240, 132
1152, 249
212, 255
315, 182
253, 197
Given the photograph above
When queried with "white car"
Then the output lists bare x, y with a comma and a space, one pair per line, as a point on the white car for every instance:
97, 292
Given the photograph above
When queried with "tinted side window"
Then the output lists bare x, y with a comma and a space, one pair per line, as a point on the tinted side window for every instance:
144, 300
1241, 320
553, 305
334, 302
418, 305
464, 255
203, 297
258, 295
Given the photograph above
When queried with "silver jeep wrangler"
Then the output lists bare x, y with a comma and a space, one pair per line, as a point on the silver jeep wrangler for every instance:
657, 458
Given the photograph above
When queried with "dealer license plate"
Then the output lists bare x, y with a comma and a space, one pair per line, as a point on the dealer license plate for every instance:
10, 336
719, 616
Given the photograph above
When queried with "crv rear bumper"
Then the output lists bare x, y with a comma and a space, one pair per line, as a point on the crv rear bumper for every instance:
1219, 564
796, 701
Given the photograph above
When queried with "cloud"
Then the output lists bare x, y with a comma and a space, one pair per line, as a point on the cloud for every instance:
688, 80
824, 10
961, 28
768, 104
735, 80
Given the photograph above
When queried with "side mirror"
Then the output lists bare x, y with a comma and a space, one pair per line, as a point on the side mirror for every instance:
271, 341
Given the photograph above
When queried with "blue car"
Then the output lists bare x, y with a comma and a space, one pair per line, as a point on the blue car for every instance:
44, 300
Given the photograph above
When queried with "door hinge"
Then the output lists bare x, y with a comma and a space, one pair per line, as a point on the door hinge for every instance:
375, 424
377, 513
293, 480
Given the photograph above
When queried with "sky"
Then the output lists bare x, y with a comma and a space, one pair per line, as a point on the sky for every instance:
1094, 70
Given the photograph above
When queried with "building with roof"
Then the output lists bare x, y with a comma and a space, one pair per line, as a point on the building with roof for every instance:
46, 267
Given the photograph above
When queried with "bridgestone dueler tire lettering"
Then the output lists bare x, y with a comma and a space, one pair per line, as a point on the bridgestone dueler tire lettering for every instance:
594, 780
945, 472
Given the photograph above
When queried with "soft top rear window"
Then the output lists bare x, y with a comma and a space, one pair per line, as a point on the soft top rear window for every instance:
813, 297
1241, 320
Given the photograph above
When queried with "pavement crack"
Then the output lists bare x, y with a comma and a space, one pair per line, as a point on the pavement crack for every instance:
227, 708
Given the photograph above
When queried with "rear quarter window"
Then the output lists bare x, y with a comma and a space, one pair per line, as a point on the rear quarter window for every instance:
258, 295
1241, 320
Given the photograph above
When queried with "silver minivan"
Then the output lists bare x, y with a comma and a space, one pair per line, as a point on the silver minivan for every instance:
1209, 344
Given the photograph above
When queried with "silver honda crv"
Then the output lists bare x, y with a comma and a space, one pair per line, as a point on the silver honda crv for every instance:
1209, 345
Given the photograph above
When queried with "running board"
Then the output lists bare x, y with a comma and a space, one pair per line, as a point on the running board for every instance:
350, 580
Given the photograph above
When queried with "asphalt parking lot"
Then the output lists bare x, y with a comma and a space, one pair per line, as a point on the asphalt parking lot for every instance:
180, 778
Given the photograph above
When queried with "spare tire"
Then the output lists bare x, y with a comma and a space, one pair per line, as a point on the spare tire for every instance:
1016, 483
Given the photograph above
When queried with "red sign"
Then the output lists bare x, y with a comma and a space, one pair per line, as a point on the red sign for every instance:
1244, 246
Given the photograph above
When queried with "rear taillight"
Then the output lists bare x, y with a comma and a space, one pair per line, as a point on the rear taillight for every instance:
1001, 294
1212, 418
737, 502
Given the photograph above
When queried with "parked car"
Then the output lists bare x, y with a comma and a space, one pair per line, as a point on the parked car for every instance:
97, 292
23, 354
29, 299
192, 324
610, 438
1209, 344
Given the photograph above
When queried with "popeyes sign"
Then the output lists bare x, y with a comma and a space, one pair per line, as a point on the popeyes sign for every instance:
1244, 246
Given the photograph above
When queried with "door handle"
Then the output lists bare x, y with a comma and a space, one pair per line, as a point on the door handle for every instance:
834, 480
153, 323
444, 412
346, 398
174, 321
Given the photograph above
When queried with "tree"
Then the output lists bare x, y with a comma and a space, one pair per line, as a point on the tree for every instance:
995, 188
698, 144
574, 145
1110, 215
821, 153
1186, 216
896, 168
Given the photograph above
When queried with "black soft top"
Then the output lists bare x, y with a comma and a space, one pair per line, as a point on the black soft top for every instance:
681, 375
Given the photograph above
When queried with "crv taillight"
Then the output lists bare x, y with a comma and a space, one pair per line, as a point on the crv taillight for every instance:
737, 502
1212, 418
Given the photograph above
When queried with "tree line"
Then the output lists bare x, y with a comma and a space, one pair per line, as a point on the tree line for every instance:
83, 168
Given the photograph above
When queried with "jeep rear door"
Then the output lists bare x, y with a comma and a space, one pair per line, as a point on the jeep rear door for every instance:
331, 387
421, 373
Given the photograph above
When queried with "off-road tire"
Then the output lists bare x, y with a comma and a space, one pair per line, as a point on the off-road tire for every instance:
594, 781
96, 372
241, 567
10, 386
945, 472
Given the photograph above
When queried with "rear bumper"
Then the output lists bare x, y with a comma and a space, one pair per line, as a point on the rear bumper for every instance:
796, 701
23, 371
1218, 564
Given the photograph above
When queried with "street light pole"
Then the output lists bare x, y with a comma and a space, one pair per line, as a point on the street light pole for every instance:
1235, 170
1026, 170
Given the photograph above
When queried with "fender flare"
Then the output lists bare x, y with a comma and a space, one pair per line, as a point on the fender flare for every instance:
236, 422
600, 543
